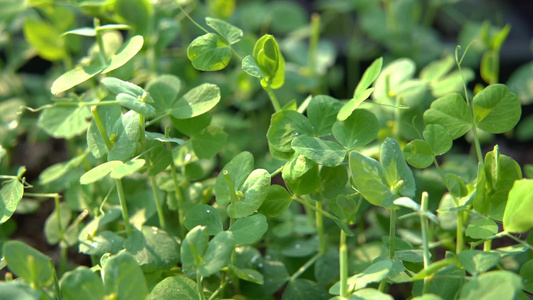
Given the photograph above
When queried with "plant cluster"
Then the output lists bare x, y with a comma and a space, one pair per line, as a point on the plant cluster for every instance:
206, 159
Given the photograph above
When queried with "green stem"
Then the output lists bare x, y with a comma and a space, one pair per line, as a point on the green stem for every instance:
192, 20
59, 296
155, 120
305, 266
343, 265
141, 129
219, 289
158, 205
101, 128
122, 200
392, 232
323, 244
460, 239
313, 43
100, 41
487, 245
199, 285
179, 197
62, 244
425, 239
231, 187
273, 97
312, 207
39, 195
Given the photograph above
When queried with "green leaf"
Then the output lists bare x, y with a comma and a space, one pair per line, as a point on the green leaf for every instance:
437, 69
456, 186
218, 253
28, 263
413, 256
176, 287
51, 225
275, 276
370, 293
304, 289
517, 215
127, 133
418, 153
82, 283
127, 168
297, 167
255, 190
357, 130
124, 278
135, 104
477, 261
496, 285
520, 83
322, 113
99, 171
370, 179
204, 215
45, 38
481, 229
153, 248
437, 138
193, 125
64, 121
392, 77
285, 125
305, 184
396, 168
125, 53
496, 109
10, 196
249, 230
526, 272
334, 181
247, 274
323, 152
108, 115
229, 32
164, 89
74, 77
136, 13
347, 109
267, 56
251, 68
101, 243
83, 31
197, 101
193, 247
118, 86
276, 202
209, 52
452, 113
209, 141
370, 74
238, 168
300, 247
56, 171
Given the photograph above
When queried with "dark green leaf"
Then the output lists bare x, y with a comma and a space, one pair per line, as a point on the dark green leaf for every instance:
153, 249
51, 225
437, 138
28, 263
209, 141
136, 13
303, 289
176, 287
357, 130
118, 86
276, 202
323, 152
238, 168
370, 179
82, 283
322, 113
135, 104
452, 113
477, 261
218, 253
306, 184
127, 133
496, 285
124, 278
249, 230
101, 243
285, 125
193, 247
204, 215
164, 90
108, 115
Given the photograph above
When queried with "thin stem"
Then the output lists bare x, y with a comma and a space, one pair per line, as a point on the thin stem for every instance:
313, 43
219, 289
323, 244
192, 20
100, 41
122, 200
460, 239
231, 187
59, 296
141, 129
392, 232
101, 128
343, 265
179, 197
158, 205
487, 245
155, 120
425, 238
40, 195
62, 244
305, 266
308, 205
273, 97
199, 285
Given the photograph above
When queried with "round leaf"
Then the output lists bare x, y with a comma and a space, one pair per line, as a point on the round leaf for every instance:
322, 113
238, 169
496, 109
496, 285
481, 229
276, 202
10, 196
204, 215
18, 256
229, 32
64, 121
164, 90
323, 152
83, 284
359, 129
255, 190
517, 215
197, 101
249, 230
176, 287
153, 248
135, 104
418, 153
452, 113
218, 253
209, 52
285, 125
437, 138
124, 278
